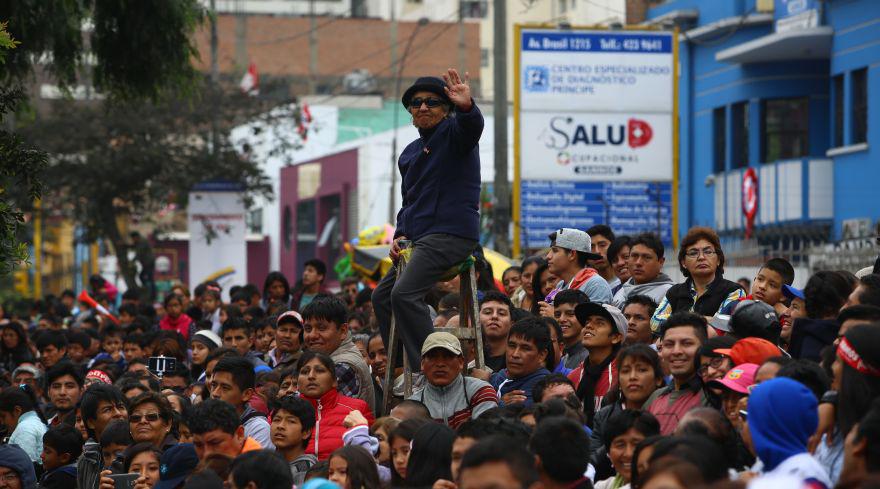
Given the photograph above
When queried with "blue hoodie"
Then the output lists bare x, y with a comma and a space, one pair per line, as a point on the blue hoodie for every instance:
783, 414
503, 384
13, 457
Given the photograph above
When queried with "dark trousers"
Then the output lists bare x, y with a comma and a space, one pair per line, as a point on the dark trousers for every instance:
148, 282
432, 256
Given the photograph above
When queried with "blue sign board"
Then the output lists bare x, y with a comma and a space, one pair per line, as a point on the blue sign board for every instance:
596, 42
629, 208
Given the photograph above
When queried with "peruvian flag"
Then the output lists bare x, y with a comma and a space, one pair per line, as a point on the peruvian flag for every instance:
250, 82
305, 120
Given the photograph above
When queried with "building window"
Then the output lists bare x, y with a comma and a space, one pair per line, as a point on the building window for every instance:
719, 127
860, 106
837, 94
786, 126
254, 220
484, 57
474, 9
306, 221
740, 137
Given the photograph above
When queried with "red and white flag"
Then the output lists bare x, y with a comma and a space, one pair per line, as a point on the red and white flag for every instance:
250, 82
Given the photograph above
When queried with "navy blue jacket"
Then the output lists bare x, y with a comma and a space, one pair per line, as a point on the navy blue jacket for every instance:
441, 179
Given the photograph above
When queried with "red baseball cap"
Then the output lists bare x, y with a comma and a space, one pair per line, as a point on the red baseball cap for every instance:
750, 350
738, 379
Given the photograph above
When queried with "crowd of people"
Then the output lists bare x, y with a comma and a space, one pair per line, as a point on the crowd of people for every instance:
597, 369
600, 371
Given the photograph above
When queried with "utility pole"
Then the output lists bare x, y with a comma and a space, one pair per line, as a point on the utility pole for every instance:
392, 210
215, 78
313, 49
462, 60
400, 64
501, 210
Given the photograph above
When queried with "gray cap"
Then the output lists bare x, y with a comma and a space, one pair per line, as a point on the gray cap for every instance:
574, 239
27, 368
607, 311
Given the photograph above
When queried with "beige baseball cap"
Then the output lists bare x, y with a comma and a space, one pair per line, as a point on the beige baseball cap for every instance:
442, 339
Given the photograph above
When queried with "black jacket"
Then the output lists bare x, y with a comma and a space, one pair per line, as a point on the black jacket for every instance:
810, 336
681, 298
441, 179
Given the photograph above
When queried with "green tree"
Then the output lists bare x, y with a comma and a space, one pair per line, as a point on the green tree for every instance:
20, 168
141, 48
149, 141
127, 161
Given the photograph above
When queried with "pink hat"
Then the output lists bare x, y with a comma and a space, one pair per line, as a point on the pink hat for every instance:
738, 379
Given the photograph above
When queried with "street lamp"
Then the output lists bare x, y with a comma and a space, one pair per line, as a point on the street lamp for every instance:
401, 63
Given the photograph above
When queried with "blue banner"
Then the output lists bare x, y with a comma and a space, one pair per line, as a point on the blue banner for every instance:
597, 42
629, 208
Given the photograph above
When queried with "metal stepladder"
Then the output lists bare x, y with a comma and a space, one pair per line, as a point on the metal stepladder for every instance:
469, 327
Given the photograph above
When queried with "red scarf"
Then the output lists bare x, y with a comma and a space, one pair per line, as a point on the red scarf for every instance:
180, 324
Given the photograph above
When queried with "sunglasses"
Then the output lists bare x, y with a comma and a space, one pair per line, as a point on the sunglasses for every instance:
136, 418
430, 102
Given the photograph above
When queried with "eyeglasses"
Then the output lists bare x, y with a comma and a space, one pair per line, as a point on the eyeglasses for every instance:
430, 102
715, 363
136, 418
743, 415
10, 477
707, 252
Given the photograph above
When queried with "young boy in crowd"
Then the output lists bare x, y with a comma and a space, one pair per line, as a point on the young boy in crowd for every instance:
603, 334
210, 305
62, 445
292, 423
325, 331
769, 282
134, 346
52, 346
264, 335
78, 344
563, 311
127, 314
233, 380
111, 344
239, 335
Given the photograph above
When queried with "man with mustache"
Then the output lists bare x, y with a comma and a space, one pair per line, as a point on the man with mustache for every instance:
65, 385
450, 397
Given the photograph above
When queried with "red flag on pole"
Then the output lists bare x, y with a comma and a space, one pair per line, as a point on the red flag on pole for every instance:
250, 82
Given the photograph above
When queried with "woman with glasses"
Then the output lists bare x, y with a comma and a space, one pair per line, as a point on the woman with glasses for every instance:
705, 291
150, 419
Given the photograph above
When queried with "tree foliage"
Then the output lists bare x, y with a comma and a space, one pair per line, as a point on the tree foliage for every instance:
141, 48
20, 168
129, 161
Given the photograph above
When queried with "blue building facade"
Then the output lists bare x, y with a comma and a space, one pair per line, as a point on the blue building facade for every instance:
785, 88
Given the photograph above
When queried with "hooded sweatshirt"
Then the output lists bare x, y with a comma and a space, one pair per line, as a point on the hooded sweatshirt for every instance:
503, 384
783, 414
13, 457
655, 289
587, 281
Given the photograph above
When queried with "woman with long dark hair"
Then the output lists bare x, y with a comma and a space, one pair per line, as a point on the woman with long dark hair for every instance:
543, 282
276, 290
857, 380
431, 455
524, 296
20, 413
399, 441
14, 347
351, 467
639, 374
316, 383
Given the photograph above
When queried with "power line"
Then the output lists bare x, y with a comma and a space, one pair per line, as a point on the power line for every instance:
292, 37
